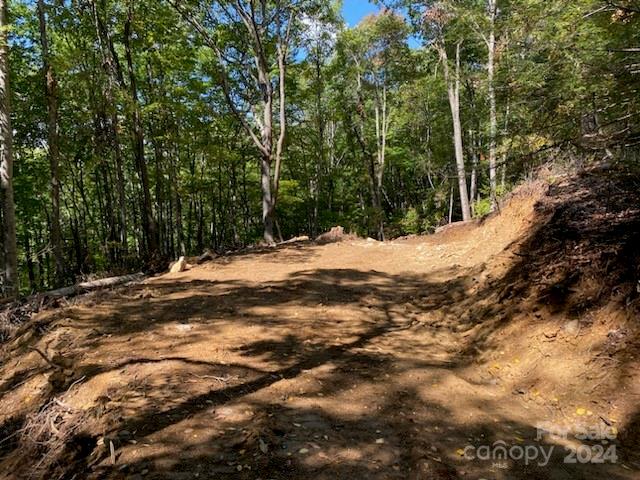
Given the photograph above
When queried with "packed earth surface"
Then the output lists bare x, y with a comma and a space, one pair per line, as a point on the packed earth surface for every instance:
486, 351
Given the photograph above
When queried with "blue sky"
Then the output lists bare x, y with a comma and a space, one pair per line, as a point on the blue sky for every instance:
355, 10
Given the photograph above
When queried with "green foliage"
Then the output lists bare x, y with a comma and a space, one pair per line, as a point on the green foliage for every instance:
482, 207
411, 222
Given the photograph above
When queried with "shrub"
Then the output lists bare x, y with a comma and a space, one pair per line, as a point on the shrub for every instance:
411, 223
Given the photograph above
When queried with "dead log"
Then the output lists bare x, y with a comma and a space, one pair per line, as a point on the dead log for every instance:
301, 239
207, 256
85, 287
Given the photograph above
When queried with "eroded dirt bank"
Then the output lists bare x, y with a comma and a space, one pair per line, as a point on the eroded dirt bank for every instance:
353, 360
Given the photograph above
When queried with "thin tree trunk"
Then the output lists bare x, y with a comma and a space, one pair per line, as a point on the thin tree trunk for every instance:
10, 279
503, 179
109, 65
148, 224
175, 181
474, 169
158, 157
200, 230
453, 87
122, 199
451, 205
372, 159
382, 128
321, 126
53, 144
29, 258
493, 121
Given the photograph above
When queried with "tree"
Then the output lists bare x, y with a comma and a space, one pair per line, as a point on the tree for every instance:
437, 18
53, 142
245, 64
378, 54
148, 222
6, 162
493, 120
481, 16
319, 41
111, 136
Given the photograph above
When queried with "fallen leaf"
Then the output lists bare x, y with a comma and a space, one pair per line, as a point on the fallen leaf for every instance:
264, 448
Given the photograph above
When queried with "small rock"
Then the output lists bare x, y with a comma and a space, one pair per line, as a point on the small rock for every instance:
572, 328
264, 448
179, 266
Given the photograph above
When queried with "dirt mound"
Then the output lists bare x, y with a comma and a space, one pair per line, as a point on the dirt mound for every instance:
336, 234
363, 359
557, 324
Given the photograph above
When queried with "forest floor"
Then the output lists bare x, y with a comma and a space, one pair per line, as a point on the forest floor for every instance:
354, 360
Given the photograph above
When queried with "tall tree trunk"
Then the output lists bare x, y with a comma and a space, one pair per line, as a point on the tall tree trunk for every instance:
453, 88
29, 258
493, 121
53, 144
268, 205
10, 279
110, 68
148, 224
267, 199
321, 126
158, 157
503, 174
282, 47
451, 205
374, 160
122, 198
382, 129
175, 184
474, 168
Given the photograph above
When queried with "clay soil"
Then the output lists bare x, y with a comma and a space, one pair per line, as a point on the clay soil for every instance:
351, 360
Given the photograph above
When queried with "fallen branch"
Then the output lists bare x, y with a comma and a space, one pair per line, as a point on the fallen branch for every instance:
226, 379
48, 433
94, 285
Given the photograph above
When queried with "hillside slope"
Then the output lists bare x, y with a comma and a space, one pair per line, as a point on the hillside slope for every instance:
355, 359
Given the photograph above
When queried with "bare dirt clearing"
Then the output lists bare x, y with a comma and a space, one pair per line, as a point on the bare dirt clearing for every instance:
350, 360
